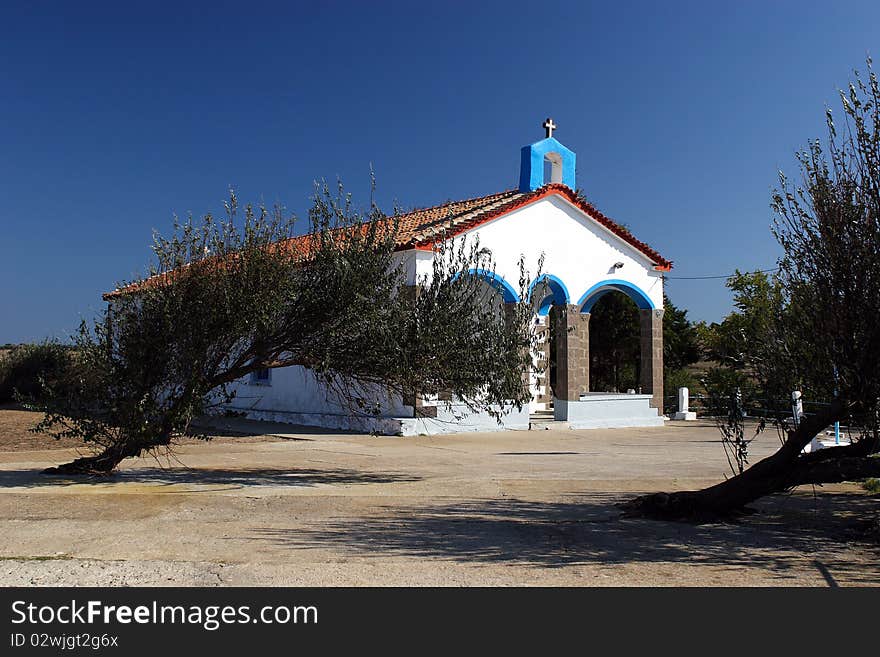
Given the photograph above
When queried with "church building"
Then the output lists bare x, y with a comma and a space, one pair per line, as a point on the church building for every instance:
586, 256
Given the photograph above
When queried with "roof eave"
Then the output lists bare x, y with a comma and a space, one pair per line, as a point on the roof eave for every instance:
659, 262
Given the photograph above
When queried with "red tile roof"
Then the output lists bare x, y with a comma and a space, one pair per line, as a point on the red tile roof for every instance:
422, 229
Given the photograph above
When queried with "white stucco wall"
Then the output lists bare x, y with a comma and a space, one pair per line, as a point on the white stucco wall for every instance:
296, 390
293, 395
577, 250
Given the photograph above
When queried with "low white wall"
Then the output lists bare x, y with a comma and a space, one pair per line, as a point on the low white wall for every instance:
295, 396
601, 411
459, 419
296, 389
387, 426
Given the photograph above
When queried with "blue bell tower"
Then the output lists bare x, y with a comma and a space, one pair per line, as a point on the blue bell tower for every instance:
561, 159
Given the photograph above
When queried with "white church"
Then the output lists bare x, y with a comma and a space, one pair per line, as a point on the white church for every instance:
587, 255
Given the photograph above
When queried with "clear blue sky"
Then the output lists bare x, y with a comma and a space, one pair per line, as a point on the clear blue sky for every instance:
115, 116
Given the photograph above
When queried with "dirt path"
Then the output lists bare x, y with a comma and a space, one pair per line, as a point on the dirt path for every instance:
513, 508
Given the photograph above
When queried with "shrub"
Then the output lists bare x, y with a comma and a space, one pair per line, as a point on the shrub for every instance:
25, 369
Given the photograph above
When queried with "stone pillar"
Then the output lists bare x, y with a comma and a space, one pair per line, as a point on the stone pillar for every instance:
421, 408
572, 352
651, 343
797, 407
684, 410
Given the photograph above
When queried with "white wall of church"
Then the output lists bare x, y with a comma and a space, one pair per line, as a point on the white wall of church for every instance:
577, 250
293, 394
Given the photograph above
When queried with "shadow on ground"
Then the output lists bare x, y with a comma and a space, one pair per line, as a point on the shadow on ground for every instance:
790, 531
222, 477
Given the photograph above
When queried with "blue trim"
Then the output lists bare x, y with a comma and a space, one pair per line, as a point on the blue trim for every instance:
507, 290
558, 293
531, 172
591, 296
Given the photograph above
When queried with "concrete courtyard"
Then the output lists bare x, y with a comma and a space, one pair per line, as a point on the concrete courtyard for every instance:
281, 505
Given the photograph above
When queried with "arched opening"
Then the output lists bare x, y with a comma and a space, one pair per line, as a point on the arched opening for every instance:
624, 342
545, 293
597, 291
552, 168
544, 162
615, 345
507, 291
547, 290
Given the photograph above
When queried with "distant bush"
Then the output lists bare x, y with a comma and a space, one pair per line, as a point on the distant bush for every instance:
25, 367
871, 485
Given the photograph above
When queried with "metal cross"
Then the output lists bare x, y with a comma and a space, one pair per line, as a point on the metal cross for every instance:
549, 126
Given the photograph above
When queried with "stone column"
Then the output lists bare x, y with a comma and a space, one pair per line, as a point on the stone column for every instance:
572, 352
651, 342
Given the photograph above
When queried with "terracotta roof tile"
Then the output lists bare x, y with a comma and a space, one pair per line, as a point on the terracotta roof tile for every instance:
421, 228
425, 227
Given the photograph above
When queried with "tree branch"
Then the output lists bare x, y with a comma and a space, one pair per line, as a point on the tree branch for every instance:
835, 471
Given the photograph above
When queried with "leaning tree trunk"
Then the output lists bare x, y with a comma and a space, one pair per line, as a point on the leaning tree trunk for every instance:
786, 468
105, 462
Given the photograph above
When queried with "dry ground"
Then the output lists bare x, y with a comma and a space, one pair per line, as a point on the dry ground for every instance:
302, 507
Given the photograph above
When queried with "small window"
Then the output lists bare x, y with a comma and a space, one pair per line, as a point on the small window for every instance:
261, 377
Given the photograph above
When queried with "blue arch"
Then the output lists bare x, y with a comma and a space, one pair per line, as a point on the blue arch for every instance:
558, 293
591, 296
507, 291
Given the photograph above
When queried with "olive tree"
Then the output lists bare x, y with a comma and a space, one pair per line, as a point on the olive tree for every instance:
821, 334
228, 297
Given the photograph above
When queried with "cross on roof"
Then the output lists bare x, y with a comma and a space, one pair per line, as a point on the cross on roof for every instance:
549, 126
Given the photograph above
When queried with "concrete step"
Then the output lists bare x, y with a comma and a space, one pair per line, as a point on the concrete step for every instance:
544, 422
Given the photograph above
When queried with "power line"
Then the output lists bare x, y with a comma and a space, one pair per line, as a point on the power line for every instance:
703, 278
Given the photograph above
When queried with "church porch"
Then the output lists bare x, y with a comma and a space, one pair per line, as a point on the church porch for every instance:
563, 396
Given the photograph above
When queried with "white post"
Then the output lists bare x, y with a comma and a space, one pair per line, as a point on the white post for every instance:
684, 412
797, 407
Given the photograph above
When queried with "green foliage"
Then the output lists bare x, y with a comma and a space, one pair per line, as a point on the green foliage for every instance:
614, 344
681, 378
758, 300
225, 300
26, 368
872, 485
680, 341
746, 344
812, 326
615, 347
829, 228
720, 382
